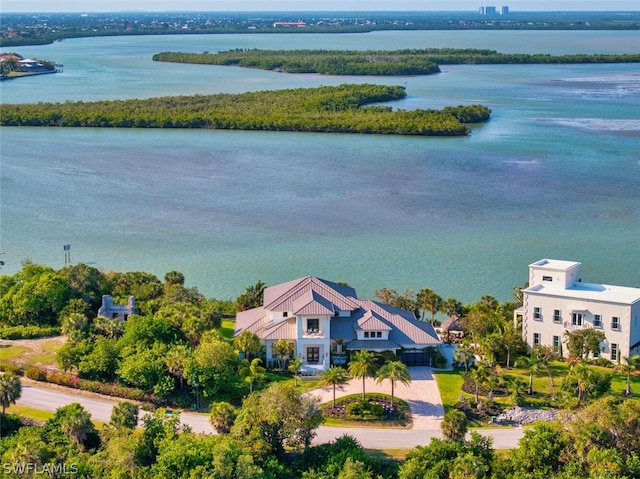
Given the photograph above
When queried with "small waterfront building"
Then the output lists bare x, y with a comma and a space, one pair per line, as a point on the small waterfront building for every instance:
119, 311
558, 301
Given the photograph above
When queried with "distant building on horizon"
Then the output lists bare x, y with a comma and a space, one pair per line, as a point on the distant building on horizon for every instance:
489, 10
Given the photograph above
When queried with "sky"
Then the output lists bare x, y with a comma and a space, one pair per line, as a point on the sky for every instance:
7, 6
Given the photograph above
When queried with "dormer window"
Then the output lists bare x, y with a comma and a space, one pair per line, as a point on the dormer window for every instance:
547, 278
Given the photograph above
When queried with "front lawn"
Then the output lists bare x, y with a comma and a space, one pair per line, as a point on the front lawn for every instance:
376, 411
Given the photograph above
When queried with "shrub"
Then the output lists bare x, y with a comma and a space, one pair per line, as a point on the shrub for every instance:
28, 332
36, 374
11, 368
364, 411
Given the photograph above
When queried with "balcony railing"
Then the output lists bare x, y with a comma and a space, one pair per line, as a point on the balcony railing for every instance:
312, 333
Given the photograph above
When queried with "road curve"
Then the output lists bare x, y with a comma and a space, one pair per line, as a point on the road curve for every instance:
49, 399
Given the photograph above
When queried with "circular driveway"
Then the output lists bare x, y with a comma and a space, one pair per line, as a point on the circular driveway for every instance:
421, 394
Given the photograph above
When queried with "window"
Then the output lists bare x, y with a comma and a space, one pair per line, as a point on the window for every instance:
597, 321
285, 314
536, 313
614, 352
536, 338
313, 325
313, 355
378, 334
366, 334
615, 323
547, 278
576, 319
557, 316
556, 343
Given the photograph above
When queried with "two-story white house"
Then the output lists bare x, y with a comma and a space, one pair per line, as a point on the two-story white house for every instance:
323, 321
557, 301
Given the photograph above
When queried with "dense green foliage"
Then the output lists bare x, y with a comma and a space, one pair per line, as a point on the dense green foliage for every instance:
324, 62
377, 62
339, 109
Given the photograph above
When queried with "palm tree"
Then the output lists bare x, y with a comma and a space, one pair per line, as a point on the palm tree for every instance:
479, 375
631, 364
534, 364
363, 365
10, 391
251, 371
247, 343
176, 360
76, 422
429, 301
282, 348
294, 367
394, 371
334, 376
465, 353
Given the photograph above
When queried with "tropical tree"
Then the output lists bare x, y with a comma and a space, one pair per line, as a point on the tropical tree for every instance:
176, 361
251, 371
430, 302
247, 343
75, 421
631, 364
75, 326
490, 347
451, 307
125, 415
394, 371
454, 425
174, 277
363, 366
10, 391
282, 349
335, 376
478, 375
465, 354
252, 297
222, 416
583, 342
294, 367
511, 341
112, 328
534, 364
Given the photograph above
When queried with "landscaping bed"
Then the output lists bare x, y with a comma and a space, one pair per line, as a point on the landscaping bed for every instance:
376, 410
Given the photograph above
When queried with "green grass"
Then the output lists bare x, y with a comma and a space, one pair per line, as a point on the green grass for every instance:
29, 412
12, 352
401, 405
388, 454
450, 386
227, 328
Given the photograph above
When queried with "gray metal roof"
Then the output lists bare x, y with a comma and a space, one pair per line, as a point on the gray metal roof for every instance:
373, 345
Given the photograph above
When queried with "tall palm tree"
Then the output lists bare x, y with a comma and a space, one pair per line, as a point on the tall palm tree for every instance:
363, 366
251, 371
176, 361
76, 422
394, 371
247, 343
465, 354
534, 364
428, 300
294, 367
334, 376
479, 375
10, 391
631, 364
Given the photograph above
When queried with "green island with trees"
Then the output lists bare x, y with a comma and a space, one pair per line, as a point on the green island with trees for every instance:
327, 109
411, 61
178, 350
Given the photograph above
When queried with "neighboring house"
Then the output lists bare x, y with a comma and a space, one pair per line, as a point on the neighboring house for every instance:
120, 311
324, 321
557, 301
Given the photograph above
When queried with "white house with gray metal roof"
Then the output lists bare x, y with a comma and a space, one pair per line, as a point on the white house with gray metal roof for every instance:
557, 301
323, 321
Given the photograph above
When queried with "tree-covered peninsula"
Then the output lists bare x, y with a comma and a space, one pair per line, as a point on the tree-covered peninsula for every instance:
329, 109
378, 62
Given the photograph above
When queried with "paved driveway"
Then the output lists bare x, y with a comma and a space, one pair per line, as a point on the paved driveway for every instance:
421, 394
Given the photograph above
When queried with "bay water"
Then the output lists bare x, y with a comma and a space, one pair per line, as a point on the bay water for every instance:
554, 173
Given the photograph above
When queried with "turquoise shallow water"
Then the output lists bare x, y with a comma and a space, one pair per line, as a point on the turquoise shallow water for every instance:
555, 173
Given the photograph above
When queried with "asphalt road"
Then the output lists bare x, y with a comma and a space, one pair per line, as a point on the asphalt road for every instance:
50, 399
